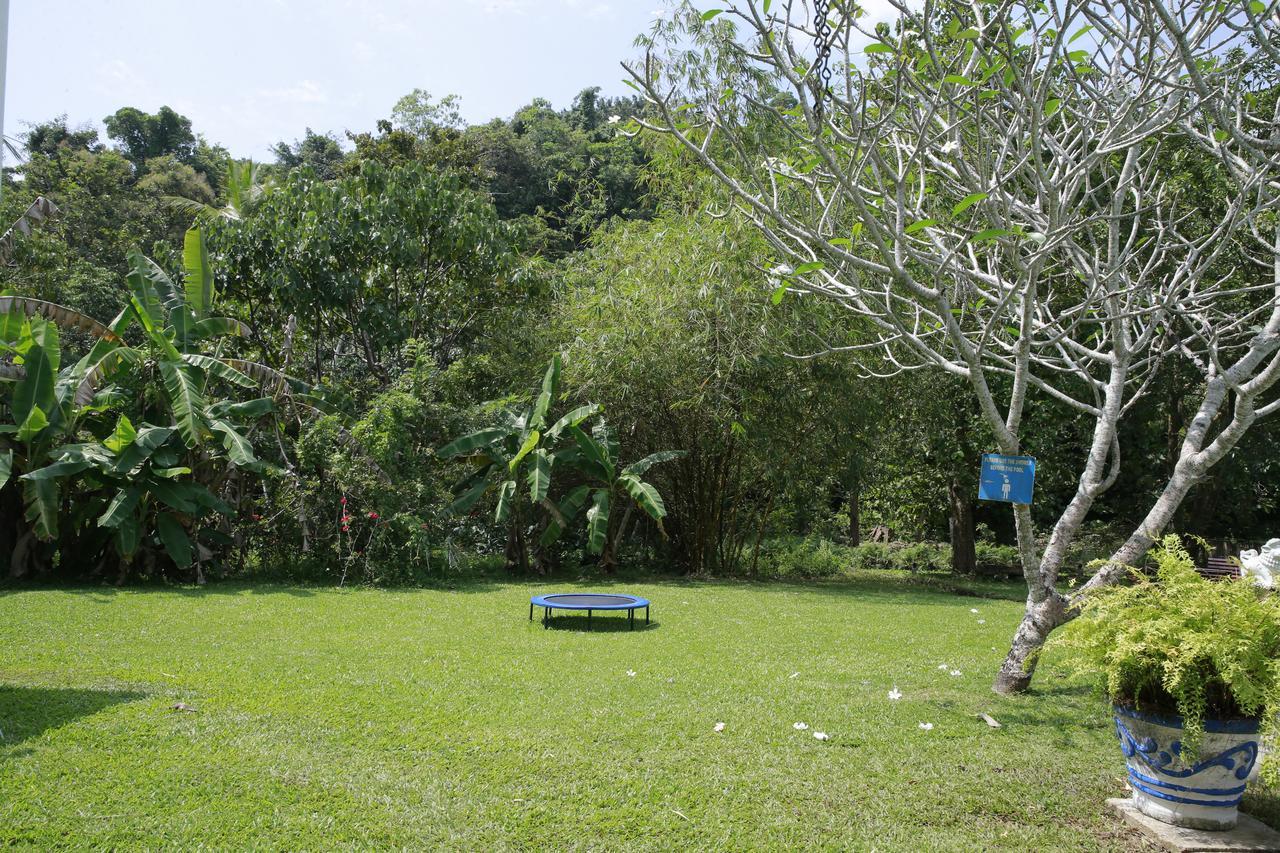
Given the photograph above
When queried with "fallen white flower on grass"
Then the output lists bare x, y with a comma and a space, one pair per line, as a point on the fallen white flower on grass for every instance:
895, 694
631, 673
821, 736
944, 666
982, 621
928, 727
793, 675
800, 726
973, 610
719, 727
956, 672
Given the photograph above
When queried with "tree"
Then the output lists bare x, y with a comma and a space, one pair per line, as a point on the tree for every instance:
142, 136
419, 115
318, 151
984, 185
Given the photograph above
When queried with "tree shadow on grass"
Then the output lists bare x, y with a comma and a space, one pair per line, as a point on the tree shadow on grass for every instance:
28, 712
1263, 803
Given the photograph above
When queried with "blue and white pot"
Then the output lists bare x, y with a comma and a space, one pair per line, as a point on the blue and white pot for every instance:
1201, 795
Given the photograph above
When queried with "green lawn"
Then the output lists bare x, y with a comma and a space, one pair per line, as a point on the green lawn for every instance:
442, 718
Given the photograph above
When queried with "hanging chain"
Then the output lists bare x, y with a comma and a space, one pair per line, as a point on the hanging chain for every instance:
821, 70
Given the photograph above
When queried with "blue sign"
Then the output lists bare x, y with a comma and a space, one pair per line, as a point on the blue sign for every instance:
1007, 478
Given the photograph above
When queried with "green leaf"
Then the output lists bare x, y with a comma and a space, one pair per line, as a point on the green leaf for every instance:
121, 507
41, 498
919, 226
150, 439
464, 502
1052, 106
568, 510
776, 296
6, 466
123, 436
1079, 33
1257, 7
645, 496
877, 47
990, 234
530, 442
468, 444
811, 266
968, 202
128, 536
40, 353
767, 4
219, 368
594, 459
598, 522
217, 327
57, 470
959, 80
711, 13
506, 493
185, 400
198, 272
239, 449
32, 425
174, 539
638, 468
573, 418
539, 475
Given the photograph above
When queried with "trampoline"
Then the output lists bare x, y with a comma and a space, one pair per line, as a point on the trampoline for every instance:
590, 602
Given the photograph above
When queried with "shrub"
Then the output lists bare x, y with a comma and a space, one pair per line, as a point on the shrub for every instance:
995, 559
921, 557
808, 557
872, 555
1182, 644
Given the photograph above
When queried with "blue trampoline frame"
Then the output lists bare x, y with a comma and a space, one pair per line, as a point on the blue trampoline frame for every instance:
548, 603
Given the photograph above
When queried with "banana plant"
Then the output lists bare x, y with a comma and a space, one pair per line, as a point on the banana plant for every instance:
527, 448
68, 435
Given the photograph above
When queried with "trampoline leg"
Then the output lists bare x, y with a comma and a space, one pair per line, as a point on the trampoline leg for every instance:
646, 614
530, 611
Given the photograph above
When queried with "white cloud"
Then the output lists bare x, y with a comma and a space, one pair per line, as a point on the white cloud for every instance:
306, 92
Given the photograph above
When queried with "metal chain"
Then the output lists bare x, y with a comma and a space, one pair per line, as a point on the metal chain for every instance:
821, 70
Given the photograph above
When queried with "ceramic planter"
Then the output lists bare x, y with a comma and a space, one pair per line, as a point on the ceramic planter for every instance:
1204, 794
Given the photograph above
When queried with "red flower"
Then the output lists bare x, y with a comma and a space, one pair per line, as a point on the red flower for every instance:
343, 501
257, 517
373, 515
346, 529
345, 519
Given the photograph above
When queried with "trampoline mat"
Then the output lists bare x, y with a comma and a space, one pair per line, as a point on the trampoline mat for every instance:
590, 600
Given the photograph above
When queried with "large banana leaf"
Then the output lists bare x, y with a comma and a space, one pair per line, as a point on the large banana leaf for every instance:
638, 468
67, 318
607, 440
198, 273
472, 493
40, 210
530, 442
149, 440
174, 539
573, 418
40, 353
567, 512
6, 466
218, 368
128, 536
239, 450
123, 435
41, 498
469, 444
216, 327
32, 425
550, 384
185, 400
598, 522
645, 496
595, 460
539, 475
58, 470
121, 507
506, 496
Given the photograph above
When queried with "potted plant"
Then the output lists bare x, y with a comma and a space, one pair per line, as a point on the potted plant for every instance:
1192, 668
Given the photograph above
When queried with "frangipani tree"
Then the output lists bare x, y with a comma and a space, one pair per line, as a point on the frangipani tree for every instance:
992, 189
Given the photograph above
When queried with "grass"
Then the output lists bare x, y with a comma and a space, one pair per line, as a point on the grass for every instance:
443, 718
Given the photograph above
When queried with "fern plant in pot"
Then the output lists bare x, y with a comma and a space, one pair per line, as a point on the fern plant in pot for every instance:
1192, 668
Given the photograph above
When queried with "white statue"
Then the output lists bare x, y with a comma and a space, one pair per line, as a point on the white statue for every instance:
1262, 566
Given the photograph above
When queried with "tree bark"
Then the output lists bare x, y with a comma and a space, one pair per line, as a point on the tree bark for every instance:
1039, 621
855, 516
964, 551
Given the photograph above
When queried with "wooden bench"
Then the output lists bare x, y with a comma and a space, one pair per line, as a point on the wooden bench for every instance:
1220, 568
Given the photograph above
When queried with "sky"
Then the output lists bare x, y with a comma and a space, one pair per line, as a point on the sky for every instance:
250, 74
